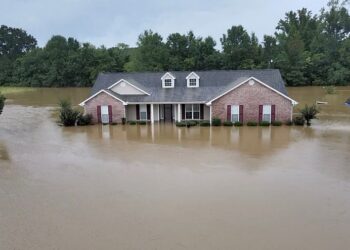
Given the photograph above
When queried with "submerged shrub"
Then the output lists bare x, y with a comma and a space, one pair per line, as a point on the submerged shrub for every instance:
276, 123
132, 123
299, 121
264, 124
330, 90
142, 122
180, 124
252, 124
2, 102
289, 123
309, 113
67, 115
123, 120
84, 120
227, 124
204, 123
191, 123
238, 124
216, 122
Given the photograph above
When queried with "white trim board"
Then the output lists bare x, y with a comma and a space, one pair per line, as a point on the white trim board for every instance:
257, 80
122, 80
99, 92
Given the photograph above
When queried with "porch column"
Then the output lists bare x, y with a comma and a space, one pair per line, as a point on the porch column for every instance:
179, 112
152, 114
210, 114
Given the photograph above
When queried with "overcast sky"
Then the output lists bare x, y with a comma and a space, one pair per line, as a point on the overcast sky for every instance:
109, 22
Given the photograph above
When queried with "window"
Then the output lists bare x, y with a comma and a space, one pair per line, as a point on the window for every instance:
193, 82
104, 114
192, 111
235, 113
266, 117
168, 82
143, 112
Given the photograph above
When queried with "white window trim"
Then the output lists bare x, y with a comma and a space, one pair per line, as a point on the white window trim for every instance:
192, 112
232, 108
268, 113
166, 76
192, 75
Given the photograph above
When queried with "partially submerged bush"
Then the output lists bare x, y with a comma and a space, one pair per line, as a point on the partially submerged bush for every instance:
264, 124
289, 123
2, 102
180, 124
299, 121
84, 120
123, 120
252, 124
67, 115
204, 123
309, 113
238, 124
276, 123
227, 124
192, 123
216, 122
132, 123
330, 90
142, 122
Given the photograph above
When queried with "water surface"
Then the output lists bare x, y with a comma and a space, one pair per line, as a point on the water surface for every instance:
163, 187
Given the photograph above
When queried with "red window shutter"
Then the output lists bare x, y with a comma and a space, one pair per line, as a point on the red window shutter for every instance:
137, 111
228, 112
110, 113
241, 113
260, 112
99, 113
273, 113
148, 111
183, 111
202, 111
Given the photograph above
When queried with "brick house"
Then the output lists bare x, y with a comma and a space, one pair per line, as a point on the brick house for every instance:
233, 95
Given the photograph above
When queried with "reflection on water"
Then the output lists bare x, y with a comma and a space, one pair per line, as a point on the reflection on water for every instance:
163, 187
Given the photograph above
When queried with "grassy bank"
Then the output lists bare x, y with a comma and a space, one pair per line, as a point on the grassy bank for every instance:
14, 90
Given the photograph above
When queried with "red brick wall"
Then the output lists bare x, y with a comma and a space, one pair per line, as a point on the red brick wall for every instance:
104, 99
251, 97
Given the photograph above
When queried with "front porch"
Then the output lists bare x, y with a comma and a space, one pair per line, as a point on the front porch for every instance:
167, 112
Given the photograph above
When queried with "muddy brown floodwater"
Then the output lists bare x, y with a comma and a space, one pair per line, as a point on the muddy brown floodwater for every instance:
162, 187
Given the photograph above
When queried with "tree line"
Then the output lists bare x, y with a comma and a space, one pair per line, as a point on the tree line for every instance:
309, 49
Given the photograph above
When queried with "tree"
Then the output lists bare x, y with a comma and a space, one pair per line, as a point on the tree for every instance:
309, 113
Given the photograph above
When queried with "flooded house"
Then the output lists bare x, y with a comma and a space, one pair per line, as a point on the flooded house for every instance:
232, 95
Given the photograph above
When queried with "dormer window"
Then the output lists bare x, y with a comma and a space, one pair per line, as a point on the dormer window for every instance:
168, 80
192, 80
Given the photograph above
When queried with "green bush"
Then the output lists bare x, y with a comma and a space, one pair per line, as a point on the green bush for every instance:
67, 115
142, 122
238, 124
192, 123
132, 123
276, 123
204, 123
114, 123
299, 121
309, 113
227, 124
2, 102
216, 122
330, 90
264, 124
180, 124
252, 124
289, 123
84, 120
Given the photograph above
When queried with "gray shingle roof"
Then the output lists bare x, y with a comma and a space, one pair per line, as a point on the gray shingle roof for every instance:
211, 84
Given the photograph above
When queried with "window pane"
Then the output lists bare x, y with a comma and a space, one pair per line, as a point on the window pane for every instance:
195, 115
193, 82
143, 115
189, 115
188, 107
235, 118
196, 107
167, 82
266, 117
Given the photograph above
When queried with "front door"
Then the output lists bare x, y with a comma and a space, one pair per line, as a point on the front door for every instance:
168, 112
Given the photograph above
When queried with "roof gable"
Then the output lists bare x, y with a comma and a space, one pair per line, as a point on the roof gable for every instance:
124, 87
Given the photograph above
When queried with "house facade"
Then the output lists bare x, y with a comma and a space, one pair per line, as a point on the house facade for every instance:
231, 95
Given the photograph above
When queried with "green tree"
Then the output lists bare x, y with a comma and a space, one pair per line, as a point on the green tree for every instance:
2, 102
